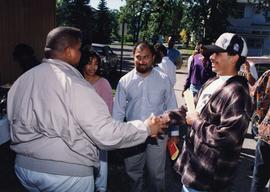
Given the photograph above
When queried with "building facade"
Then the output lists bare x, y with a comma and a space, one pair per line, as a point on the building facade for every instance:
254, 26
23, 21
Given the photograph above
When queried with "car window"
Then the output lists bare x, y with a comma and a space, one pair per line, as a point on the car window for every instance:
98, 50
262, 67
107, 50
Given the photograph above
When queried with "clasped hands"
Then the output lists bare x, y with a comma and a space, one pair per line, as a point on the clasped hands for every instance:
158, 124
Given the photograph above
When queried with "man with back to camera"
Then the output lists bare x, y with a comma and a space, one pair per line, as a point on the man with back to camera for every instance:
143, 91
56, 129
219, 123
166, 65
174, 55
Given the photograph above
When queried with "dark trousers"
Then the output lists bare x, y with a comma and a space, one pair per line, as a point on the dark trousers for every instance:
261, 172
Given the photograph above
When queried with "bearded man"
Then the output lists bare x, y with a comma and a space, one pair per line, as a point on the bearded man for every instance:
140, 93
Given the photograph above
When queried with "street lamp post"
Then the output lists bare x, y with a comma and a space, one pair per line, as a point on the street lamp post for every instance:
122, 45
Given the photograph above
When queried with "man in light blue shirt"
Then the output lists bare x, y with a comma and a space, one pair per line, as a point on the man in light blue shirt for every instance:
141, 92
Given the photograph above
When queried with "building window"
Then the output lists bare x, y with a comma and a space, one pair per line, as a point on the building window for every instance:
267, 16
255, 42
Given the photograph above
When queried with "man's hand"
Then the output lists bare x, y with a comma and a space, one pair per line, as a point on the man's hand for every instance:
192, 117
157, 124
246, 67
182, 94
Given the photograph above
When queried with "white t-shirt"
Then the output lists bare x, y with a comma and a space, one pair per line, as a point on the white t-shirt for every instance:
169, 68
209, 90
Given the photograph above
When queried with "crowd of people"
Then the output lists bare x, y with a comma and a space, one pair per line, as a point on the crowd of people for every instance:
64, 118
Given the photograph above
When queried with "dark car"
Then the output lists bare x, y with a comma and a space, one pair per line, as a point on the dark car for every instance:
109, 60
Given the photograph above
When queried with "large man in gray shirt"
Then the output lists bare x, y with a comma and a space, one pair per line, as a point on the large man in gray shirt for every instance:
58, 122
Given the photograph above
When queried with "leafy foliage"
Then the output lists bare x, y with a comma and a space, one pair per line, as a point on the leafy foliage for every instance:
77, 13
104, 24
207, 19
204, 19
148, 18
96, 25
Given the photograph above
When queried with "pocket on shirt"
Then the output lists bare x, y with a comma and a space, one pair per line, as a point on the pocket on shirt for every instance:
155, 97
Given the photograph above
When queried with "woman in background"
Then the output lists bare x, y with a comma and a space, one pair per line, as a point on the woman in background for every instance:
90, 68
200, 70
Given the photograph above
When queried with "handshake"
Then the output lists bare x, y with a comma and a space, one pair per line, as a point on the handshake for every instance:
158, 124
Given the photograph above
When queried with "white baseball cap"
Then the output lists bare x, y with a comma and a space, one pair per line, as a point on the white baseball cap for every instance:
229, 42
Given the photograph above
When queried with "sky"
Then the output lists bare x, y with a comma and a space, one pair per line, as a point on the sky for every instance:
111, 4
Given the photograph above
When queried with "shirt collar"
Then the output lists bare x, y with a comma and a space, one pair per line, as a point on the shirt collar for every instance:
225, 77
63, 64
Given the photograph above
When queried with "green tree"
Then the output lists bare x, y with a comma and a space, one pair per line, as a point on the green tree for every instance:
207, 19
166, 17
77, 13
115, 25
104, 23
148, 18
132, 14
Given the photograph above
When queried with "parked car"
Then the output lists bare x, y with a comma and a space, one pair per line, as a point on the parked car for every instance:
258, 65
109, 60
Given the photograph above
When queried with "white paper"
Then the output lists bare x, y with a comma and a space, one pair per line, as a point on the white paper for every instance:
188, 96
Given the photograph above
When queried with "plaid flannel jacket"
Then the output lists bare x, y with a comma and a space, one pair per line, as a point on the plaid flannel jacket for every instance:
211, 151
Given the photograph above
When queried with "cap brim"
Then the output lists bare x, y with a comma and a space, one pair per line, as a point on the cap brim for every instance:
210, 49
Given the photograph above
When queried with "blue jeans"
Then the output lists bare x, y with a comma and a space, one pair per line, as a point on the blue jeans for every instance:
261, 171
187, 189
102, 175
36, 181
195, 89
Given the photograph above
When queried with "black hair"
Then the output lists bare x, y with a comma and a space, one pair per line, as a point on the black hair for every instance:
60, 38
240, 61
161, 48
144, 44
21, 50
172, 37
25, 56
86, 57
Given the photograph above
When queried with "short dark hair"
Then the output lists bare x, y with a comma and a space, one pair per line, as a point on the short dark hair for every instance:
86, 57
145, 44
160, 47
21, 50
60, 38
240, 61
